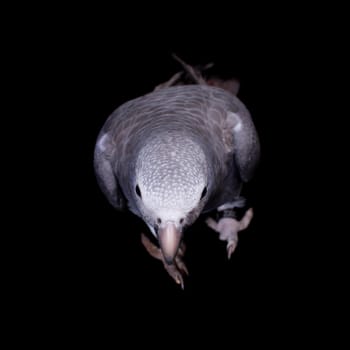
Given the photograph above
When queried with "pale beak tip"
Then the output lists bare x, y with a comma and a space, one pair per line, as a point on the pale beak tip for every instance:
169, 238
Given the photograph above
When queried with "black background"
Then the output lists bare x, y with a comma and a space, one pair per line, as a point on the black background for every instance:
102, 255
86, 265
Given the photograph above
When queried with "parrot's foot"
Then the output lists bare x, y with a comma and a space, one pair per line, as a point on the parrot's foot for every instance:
175, 270
228, 229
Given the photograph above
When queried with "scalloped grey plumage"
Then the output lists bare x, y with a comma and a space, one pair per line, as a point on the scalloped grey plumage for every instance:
209, 117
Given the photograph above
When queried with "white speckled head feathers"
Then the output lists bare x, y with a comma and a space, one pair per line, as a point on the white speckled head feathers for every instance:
171, 173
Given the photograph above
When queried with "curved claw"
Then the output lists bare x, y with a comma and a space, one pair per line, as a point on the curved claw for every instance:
179, 269
179, 280
178, 260
175, 274
231, 246
181, 265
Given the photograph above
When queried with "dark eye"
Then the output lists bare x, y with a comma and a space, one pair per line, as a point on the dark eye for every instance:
138, 192
159, 221
204, 192
181, 220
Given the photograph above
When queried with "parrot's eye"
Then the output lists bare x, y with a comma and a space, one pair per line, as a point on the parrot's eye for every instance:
181, 220
138, 192
159, 221
204, 192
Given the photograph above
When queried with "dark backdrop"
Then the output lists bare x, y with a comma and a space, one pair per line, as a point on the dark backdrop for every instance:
103, 255
89, 264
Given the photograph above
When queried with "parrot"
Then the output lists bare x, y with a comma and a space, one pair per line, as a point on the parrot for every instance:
173, 154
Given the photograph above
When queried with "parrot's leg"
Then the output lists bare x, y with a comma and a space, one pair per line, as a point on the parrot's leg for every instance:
228, 229
175, 270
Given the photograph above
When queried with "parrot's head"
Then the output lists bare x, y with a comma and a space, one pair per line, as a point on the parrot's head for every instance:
170, 189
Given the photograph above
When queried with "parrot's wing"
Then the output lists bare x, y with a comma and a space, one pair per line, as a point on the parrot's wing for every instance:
105, 175
244, 142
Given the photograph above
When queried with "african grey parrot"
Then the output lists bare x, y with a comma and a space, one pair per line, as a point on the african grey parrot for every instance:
173, 154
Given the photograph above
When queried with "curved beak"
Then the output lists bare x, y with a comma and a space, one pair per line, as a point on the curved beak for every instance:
169, 238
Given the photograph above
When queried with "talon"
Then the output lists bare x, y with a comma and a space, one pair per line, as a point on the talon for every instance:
182, 267
175, 271
179, 280
231, 248
176, 275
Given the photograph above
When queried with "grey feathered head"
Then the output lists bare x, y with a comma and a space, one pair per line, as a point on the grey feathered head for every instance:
171, 183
